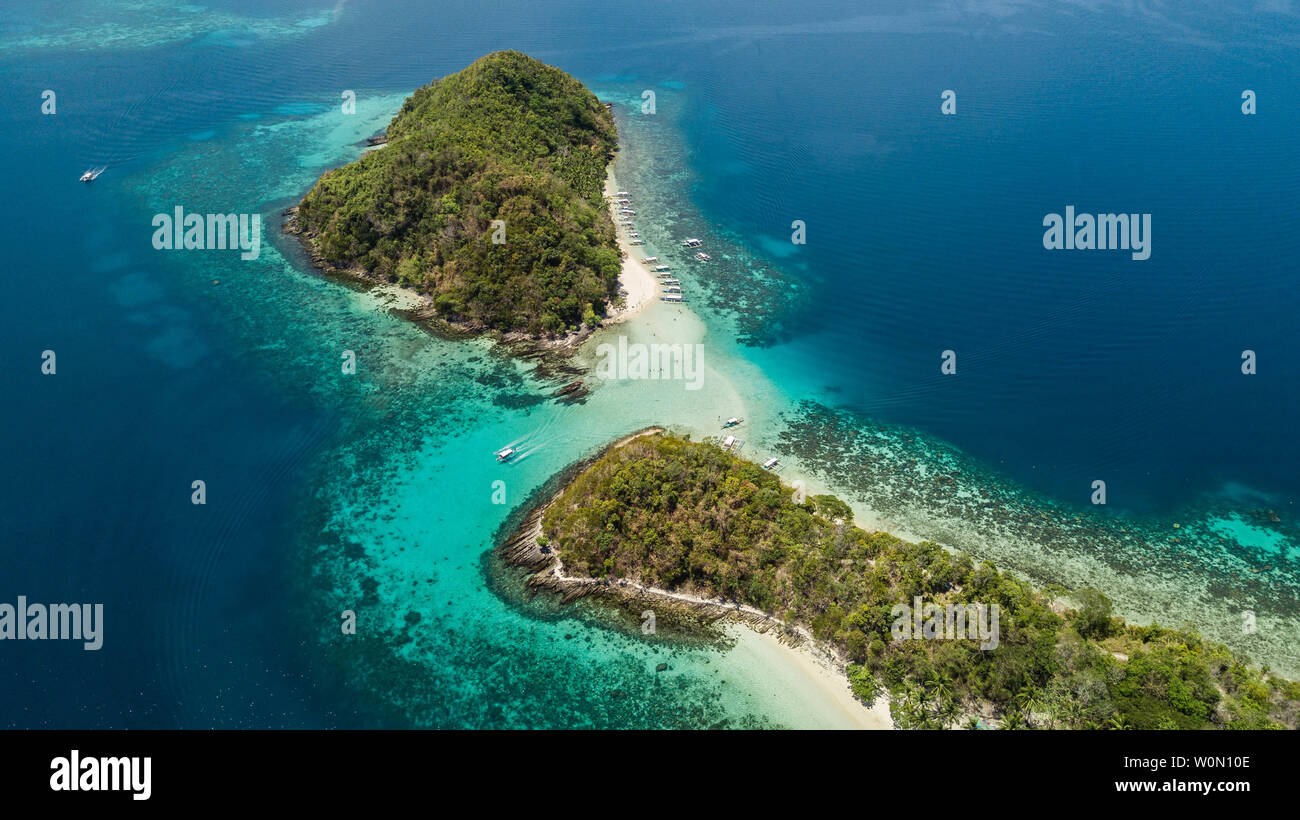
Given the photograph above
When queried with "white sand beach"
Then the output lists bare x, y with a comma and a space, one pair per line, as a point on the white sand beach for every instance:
798, 681
636, 279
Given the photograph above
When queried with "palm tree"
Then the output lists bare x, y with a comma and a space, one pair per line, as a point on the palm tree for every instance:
1029, 700
1013, 720
940, 685
948, 713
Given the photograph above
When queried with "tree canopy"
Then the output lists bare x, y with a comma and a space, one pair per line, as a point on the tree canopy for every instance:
692, 518
507, 138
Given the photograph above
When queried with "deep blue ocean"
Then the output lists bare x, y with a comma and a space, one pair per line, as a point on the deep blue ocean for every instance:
924, 234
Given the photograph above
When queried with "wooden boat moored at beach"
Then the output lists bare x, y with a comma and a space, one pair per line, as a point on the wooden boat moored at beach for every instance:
731, 422
649, 260
672, 297
771, 463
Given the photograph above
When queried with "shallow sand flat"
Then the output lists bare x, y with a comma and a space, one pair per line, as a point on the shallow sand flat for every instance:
395, 297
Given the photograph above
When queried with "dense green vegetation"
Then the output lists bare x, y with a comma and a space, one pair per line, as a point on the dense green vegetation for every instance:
507, 138
692, 518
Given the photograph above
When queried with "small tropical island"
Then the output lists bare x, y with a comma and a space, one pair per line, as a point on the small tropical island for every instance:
688, 524
487, 197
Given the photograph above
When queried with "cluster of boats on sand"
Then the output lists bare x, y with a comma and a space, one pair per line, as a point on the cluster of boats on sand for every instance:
670, 284
733, 444
672, 292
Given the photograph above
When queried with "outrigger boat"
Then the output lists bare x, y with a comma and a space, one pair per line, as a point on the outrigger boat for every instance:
692, 243
649, 260
731, 422
623, 193
670, 281
702, 256
771, 463
731, 443
637, 242
662, 268
505, 454
672, 297
92, 174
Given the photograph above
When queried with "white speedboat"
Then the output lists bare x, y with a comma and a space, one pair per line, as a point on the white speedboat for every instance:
92, 174
505, 454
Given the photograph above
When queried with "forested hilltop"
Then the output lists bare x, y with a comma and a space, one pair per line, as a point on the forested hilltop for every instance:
507, 138
691, 518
